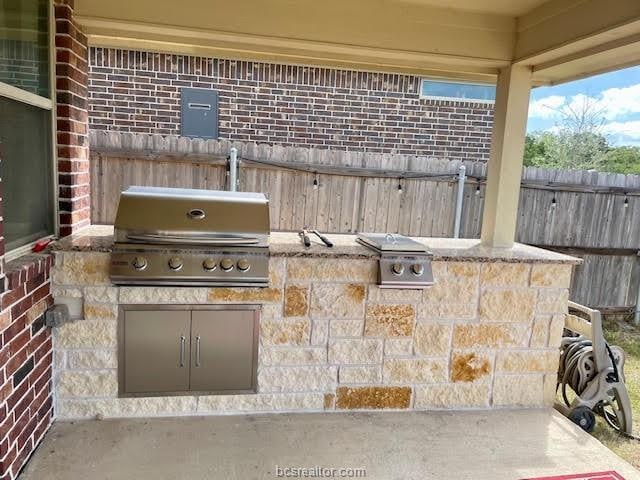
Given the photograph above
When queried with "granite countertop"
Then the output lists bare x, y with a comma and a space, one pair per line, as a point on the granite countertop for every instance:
99, 238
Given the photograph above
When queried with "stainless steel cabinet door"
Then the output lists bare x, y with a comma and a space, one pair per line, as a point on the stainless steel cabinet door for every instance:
156, 350
222, 350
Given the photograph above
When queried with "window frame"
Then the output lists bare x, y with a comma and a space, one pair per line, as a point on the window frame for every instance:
44, 103
455, 99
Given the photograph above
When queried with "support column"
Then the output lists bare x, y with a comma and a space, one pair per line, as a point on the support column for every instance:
507, 150
72, 120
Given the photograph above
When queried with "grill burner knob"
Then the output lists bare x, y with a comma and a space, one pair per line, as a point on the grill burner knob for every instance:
175, 263
243, 265
139, 263
397, 269
226, 264
417, 269
209, 264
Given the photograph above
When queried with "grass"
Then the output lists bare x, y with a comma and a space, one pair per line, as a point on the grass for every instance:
627, 336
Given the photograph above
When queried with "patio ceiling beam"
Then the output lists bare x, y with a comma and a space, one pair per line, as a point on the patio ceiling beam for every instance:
505, 164
565, 40
405, 36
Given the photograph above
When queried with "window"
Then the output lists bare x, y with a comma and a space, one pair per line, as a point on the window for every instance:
458, 90
26, 118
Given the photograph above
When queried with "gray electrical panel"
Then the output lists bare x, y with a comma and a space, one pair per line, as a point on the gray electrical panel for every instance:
199, 113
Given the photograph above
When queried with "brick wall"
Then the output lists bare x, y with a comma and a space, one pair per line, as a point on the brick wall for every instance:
26, 358
72, 120
283, 104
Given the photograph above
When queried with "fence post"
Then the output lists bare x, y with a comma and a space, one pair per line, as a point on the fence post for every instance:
461, 178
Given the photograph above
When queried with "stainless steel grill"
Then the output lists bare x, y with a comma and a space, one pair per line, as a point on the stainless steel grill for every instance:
172, 236
404, 263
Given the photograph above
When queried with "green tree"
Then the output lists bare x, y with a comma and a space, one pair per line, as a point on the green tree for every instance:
623, 160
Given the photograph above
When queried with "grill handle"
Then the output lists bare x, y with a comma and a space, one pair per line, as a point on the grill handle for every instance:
182, 344
173, 239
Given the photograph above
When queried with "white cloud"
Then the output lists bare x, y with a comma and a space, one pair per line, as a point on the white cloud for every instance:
623, 133
546, 107
611, 103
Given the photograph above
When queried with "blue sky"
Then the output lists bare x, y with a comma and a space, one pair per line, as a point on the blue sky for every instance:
615, 95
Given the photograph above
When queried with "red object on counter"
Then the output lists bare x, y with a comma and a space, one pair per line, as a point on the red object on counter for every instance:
40, 246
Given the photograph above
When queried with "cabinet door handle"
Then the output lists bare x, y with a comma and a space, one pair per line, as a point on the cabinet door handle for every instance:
182, 345
198, 351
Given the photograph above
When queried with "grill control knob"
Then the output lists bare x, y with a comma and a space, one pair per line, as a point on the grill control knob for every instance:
209, 264
226, 264
417, 269
175, 263
243, 265
139, 263
397, 269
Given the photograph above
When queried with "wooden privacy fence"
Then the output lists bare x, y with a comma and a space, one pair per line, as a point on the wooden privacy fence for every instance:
595, 214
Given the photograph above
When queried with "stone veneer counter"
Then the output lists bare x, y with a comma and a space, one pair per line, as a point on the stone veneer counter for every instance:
485, 336
99, 238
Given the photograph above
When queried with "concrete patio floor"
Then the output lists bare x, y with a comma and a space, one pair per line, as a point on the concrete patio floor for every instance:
509, 444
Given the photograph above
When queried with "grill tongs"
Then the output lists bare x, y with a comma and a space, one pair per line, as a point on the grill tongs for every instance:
304, 234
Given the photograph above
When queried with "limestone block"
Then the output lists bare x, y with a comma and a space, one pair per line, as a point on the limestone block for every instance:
355, 351
393, 295
457, 395
101, 294
87, 334
470, 366
163, 295
389, 320
154, 406
94, 383
319, 332
398, 346
540, 331
517, 390
414, 370
528, 361
329, 401
277, 272
432, 339
296, 301
505, 274
508, 305
245, 295
277, 356
261, 402
550, 275
549, 389
290, 332
359, 374
60, 359
447, 312
556, 329
271, 311
297, 379
332, 270
59, 291
69, 409
100, 311
337, 300
82, 268
439, 269
345, 328
463, 269
453, 289
492, 335
553, 300
373, 398
92, 359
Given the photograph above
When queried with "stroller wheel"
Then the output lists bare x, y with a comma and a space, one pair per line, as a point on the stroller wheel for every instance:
584, 418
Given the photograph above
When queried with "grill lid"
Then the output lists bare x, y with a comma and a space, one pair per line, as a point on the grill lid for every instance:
157, 215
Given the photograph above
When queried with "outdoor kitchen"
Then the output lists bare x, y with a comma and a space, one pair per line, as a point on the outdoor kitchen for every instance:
194, 307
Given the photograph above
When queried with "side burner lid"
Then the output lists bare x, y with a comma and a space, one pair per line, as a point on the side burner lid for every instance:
390, 242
